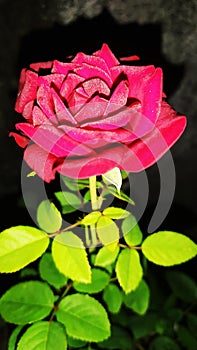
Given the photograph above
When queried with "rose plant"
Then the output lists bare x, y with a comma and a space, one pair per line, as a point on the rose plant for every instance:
89, 122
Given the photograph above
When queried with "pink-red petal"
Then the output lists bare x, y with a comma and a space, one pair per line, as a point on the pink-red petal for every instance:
107, 55
28, 84
22, 141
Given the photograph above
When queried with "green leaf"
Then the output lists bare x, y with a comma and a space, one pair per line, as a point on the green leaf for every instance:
69, 201
50, 273
120, 339
168, 248
163, 343
106, 257
131, 231
26, 302
107, 230
14, 338
76, 343
70, 257
48, 217
129, 270
19, 246
28, 272
115, 213
192, 323
84, 318
100, 279
138, 300
91, 218
182, 286
186, 339
113, 298
142, 326
120, 195
113, 177
43, 336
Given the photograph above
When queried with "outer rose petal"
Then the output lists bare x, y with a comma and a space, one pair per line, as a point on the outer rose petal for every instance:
22, 141
81, 58
27, 89
41, 65
107, 55
63, 68
41, 162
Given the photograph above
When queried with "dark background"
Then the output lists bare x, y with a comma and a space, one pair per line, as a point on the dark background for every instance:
162, 33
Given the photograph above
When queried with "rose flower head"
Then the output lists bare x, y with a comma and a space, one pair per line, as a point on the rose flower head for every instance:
90, 114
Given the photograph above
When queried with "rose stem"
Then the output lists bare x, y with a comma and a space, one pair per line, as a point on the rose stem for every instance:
93, 194
95, 206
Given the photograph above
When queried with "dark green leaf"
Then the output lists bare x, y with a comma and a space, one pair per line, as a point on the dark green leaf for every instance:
182, 285
50, 273
120, 339
142, 326
84, 318
163, 343
113, 298
138, 300
192, 323
100, 279
76, 343
27, 302
186, 338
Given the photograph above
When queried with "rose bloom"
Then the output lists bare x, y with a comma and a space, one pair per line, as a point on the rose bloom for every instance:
90, 114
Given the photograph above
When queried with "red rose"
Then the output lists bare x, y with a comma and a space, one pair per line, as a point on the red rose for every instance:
88, 115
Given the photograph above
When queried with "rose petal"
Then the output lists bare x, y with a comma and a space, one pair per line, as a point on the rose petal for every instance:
129, 58
27, 89
90, 111
53, 140
27, 110
38, 116
44, 100
63, 68
41, 162
87, 71
41, 65
96, 85
56, 79
62, 113
96, 61
107, 55
70, 83
22, 141
118, 97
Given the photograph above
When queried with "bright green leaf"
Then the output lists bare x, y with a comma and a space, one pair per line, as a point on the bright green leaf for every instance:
120, 339
100, 279
26, 302
84, 318
43, 336
69, 201
48, 217
107, 230
168, 248
163, 343
129, 270
182, 285
50, 273
115, 213
19, 246
14, 338
138, 300
113, 298
91, 218
131, 231
113, 177
106, 257
70, 257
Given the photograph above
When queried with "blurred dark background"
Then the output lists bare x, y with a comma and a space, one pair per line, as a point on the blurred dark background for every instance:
163, 33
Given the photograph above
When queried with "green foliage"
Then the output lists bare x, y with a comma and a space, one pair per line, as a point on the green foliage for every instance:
70, 257
69, 201
164, 343
138, 300
84, 318
26, 302
50, 273
107, 230
131, 231
43, 335
113, 298
182, 286
168, 248
115, 213
105, 257
48, 217
120, 339
19, 246
13, 338
129, 270
100, 280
